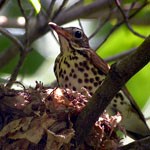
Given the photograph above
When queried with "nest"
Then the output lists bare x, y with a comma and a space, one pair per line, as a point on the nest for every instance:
44, 118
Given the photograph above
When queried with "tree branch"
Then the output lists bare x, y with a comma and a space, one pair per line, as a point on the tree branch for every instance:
138, 145
120, 23
50, 8
38, 26
118, 75
81, 11
120, 55
16, 69
7, 55
125, 17
11, 37
57, 12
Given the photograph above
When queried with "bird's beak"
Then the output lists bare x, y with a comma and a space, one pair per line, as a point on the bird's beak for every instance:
59, 30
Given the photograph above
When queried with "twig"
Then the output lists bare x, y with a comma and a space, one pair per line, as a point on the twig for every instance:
81, 11
120, 23
120, 55
75, 5
7, 55
134, 32
16, 70
118, 75
110, 32
60, 9
125, 17
12, 38
23, 53
22, 10
130, 8
39, 29
50, 8
80, 24
26, 22
101, 24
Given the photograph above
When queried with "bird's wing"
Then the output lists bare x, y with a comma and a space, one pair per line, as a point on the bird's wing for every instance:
133, 103
102, 65
98, 62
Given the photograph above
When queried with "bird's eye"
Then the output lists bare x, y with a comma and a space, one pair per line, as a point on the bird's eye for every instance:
78, 34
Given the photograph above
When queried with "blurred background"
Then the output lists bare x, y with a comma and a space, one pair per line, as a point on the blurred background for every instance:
115, 29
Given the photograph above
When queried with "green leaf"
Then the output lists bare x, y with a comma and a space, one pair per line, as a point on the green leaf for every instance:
86, 2
32, 62
36, 4
139, 86
122, 39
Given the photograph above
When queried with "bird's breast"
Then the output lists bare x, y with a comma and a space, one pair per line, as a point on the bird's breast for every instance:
75, 71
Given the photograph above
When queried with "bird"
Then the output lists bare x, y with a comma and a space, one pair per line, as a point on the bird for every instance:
78, 66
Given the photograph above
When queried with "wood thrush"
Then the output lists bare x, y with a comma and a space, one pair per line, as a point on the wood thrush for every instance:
79, 66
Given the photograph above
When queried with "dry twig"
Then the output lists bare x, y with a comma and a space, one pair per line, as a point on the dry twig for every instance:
16, 41
120, 23
50, 9
125, 17
120, 55
60, 9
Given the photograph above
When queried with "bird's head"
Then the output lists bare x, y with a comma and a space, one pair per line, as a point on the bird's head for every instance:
72, 36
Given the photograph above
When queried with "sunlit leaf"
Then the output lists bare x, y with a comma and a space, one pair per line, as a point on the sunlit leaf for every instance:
36, 4
122, 39
88, 1
139, 86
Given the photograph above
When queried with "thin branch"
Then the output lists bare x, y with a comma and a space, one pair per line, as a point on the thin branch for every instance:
81, 11
120, 23
26, 22
17, 69
22, 10
39, 28
24, 51
118, 75
80, 24
76, 4
110, 33
72, 13
120, 55
60, 9
12, 38
130, 8
7, 55
100, 25
50, 8
134, 32
125, 17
